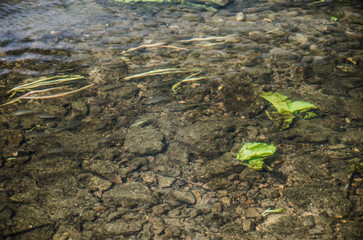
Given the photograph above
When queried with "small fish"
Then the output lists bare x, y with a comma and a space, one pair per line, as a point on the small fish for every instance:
56, 150
68, 125
142, 121
22, 112
154, 100
45, 115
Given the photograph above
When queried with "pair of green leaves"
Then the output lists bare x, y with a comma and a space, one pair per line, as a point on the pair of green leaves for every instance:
286, 110
253, 154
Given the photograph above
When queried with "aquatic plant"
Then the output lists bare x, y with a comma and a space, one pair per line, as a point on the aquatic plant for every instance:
157, 72
33, 92
252, 155
269, 210
190, 78
287, 109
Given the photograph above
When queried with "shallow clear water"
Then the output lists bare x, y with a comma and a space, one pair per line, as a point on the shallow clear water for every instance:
145, 159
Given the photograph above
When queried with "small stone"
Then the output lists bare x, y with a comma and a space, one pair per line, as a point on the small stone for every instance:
197, 195
359, 191
122, 227
129, 194
80, 106
299, 38
252, 213
172, 231
148, 177
247, 226
144, 141
185, 197
217, 207
226, 201
240, 17
160, 209
165, 182
96, 183
308, 221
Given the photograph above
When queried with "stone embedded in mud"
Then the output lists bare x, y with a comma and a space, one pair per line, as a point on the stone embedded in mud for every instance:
172, 232
165, 182
27, 218
129, 195
209, 138
185, 197
122, 227
219, 183
320, 197
289, 226
144, 141
178, 154
98, 184
219, 167
104, 168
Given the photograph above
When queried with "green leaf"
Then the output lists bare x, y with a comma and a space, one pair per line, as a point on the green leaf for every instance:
255, 150
333, 18
283, 104
256, 163
279, 101
253, 154
287, 109
300, 106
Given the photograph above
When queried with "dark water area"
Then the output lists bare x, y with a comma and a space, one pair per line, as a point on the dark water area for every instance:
104, 153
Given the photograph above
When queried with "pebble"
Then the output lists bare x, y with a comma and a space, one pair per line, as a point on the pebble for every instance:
122, 227
185, 197
308, 221
252, 213
217, 207
247, 226
148, 177
240, 17
165, 182
172, 231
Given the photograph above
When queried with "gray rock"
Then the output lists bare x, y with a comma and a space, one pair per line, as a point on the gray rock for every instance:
252, 213
299, 38
330, 199
247, 225
177, 154
219, 183
185, 197
219, 167
129, 195
257, 72
122, 227
27, 218
144, 141
104, 168
172, 231
308, 221
80, 107
165, 182
124, 92
208, 138
288, 225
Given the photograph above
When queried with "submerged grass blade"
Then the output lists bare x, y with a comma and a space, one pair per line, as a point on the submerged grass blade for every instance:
36, 94
45, 82
157, 72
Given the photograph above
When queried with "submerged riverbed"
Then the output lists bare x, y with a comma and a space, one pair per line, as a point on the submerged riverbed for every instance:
143, 158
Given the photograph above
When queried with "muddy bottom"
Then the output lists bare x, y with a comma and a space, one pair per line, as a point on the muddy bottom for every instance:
142, 158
